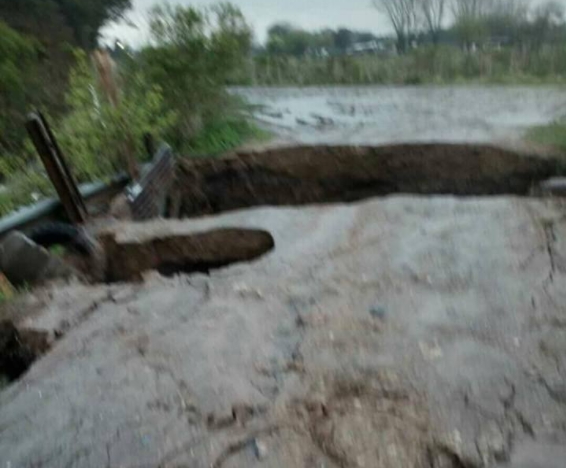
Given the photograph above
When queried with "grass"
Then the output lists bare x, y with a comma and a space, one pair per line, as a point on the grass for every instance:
224, 135
57, 250
215, 139
426, 65
8, 292
553, 134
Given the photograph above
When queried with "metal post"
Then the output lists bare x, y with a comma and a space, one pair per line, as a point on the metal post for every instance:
56, 168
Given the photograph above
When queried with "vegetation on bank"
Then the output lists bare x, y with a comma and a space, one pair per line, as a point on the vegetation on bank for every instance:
173, 89
552, 135
425, 65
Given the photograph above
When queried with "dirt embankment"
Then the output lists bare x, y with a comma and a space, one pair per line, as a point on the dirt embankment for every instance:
321, 174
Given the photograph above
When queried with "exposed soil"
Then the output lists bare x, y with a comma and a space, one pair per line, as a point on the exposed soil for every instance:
19, 348
322, 174
128, 258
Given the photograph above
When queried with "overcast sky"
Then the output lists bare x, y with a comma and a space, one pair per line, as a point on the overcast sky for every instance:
309, 14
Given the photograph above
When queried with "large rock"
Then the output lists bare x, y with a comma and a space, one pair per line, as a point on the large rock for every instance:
23, 262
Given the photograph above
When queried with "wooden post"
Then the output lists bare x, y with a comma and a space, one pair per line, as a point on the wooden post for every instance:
56, 168
149, 144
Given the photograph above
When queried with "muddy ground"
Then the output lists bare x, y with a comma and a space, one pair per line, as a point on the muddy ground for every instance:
405, 330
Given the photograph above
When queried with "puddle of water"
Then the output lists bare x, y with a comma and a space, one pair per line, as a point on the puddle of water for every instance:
387, 114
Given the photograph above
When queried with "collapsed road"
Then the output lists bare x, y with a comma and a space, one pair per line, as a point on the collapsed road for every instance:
408, 328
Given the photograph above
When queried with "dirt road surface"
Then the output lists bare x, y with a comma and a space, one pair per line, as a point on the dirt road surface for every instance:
401, 331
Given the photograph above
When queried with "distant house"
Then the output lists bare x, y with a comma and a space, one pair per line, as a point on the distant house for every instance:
321, 52
374, 46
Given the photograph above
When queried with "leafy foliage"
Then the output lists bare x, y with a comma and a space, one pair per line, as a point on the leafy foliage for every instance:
86, 17
18, 55
196, 52
57, 21
223, 135
93, 133
553, 135
285, 39
173, 89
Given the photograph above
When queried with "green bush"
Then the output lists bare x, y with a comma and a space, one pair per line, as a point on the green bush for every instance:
18, 57
94, 135
196, 52
223, 135
553, 135
173, 89
97, 135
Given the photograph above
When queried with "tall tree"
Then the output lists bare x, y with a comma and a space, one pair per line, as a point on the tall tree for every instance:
507, 19
195, 51
286, 39
468, 20
547, 23
79, 21
87, 17
343, 39
433, 13
405, 17
18, 57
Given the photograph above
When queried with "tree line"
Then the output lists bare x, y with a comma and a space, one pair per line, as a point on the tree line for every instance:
463, 23
287, 39
474, 22
434, 41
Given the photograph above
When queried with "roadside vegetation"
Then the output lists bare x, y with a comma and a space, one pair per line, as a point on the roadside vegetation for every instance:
425, 65
104, 102
553, 135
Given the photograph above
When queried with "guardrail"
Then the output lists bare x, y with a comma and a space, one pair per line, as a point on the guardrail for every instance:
147, 197
96, 195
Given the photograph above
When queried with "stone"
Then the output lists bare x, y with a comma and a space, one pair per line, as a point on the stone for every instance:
23, 262
260, 449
